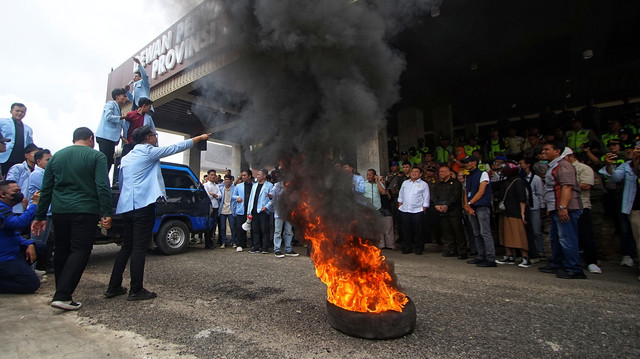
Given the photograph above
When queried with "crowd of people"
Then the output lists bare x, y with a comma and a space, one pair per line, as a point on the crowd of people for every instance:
508, 183
460, 195
52, 203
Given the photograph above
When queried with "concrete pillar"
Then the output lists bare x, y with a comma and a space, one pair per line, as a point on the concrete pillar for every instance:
192, 158
410, 127
236, 160
372, 153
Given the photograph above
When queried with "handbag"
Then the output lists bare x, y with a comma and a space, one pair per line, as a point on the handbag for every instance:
501, 207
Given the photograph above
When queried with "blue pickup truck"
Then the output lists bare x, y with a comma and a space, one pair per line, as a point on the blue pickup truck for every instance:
185, 211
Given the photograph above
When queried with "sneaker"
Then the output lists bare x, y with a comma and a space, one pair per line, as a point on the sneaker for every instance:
142, 294
547, 269
626, 261
291, 254
114, 293
66, 305
193, 241
566, 275
534, 260
234, 246
42, 276
254, 251
486, 264
238, 249
593, 268
526, 263
506, 260
222, 247
264, 251
44, 279
279, 254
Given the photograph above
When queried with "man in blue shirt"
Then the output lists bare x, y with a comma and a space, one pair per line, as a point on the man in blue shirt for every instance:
140, 84
20, 135
20, 173
110, 127
240, 195
259, 207
16, 274
141, 184
42, 158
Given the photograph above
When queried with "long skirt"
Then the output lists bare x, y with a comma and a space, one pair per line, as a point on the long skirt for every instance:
513, 233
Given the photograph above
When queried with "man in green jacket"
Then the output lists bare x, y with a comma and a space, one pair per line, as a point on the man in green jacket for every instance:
76, 185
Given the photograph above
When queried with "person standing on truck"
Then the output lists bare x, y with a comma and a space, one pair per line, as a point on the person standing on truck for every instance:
141, 185
76, 185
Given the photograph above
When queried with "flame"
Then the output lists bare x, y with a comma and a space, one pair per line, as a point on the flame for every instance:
356, 274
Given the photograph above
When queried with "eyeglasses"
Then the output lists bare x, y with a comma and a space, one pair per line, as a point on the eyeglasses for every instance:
153, 135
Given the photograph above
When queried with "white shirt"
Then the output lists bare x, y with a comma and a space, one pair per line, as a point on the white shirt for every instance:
413, 196
212, 189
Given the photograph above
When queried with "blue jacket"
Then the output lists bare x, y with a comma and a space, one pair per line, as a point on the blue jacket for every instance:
263, 199
624, 173
141, 181
238, 192
231, 202
20, 173
110, 125
140, 88
8, 130
10, 227
35, 183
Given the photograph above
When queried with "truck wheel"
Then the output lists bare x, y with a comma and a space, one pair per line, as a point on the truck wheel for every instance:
173, 237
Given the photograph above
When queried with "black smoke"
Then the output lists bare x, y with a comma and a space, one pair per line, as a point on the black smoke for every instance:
314, 80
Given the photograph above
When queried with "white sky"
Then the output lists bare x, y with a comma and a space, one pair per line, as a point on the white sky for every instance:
57, 55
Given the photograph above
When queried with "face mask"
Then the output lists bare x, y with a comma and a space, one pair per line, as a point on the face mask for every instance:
17, 197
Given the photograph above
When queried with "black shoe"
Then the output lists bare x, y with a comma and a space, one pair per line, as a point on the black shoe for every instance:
566, 275
116, 292
463, 256
143, 294
486, 264
406, 251
474, 261
547, 269
450, 254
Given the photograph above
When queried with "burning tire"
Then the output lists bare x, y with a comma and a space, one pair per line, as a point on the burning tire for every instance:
384, 325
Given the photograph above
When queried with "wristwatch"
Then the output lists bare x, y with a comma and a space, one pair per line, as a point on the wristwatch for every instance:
561, 207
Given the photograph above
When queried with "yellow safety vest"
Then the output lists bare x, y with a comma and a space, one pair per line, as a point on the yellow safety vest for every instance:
575, 139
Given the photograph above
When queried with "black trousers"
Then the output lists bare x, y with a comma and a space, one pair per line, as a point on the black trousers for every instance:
453, 234
208, 237
107, 147
586, 238
241, 234
412, 231
260, 231
75, 234
138, 228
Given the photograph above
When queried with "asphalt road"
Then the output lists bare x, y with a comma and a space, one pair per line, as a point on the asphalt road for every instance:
223, 304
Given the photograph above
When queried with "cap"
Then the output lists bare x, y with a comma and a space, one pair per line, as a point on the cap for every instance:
624, 130
613, 141
430, 168
404, 153
394, 163
501, 158
31, 147
4, 139
469, 159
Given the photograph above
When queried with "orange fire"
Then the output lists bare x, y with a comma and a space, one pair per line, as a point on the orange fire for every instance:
356, 274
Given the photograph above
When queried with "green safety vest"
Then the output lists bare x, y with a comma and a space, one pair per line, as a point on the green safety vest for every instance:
468, 149
442, 154
495, 146
575, 140
608, 136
